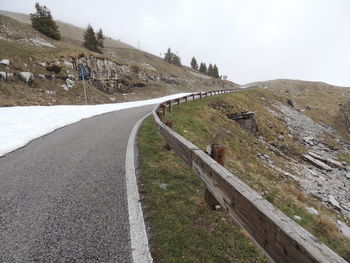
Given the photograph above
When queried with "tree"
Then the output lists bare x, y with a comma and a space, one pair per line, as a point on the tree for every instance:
203, 68
216, 72
43, 22
210, 70
168, 56
171, 58
100, 39
91, 40
194, 64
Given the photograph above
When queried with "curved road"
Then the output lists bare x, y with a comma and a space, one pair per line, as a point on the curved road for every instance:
63, 196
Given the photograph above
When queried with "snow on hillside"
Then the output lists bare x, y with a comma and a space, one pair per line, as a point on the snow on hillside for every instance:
20, 125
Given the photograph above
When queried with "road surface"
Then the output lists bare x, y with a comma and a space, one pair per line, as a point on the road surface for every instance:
63, 196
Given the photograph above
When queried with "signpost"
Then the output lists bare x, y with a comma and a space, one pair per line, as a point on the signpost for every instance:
84, 74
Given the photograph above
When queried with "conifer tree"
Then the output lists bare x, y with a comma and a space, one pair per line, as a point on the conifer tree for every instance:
43, 22
171, 58
203, 68
216, 72
100, 39
168, 56
194, 64
210, 70
90, 39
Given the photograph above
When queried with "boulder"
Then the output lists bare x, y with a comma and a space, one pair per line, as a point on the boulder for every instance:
27, 77
312, 211
334, 202
345, 230
290, 102
316, 162
68, 64
5, 76
43, 64
5, 62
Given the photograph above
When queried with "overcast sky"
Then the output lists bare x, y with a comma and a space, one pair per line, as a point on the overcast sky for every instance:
249, 40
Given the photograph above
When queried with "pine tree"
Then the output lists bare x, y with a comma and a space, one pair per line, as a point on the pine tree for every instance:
216, 72
43, 22
90, 39
168, 56
203, 68
100, 39
171, 58
194, 64
210, 70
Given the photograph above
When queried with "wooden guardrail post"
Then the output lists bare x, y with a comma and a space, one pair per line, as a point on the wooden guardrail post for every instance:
163, 109
186, 98
200, 95
169, 123
170, 106
217, 152
193, 96
178, 101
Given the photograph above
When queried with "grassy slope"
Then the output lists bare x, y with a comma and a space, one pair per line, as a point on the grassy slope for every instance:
211, 126
182, 227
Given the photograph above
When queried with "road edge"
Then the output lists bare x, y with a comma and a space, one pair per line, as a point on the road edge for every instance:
139, 241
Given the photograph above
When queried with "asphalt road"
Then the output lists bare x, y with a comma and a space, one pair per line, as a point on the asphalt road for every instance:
63, 196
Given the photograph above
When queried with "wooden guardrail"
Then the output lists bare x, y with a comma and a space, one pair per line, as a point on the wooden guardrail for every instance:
277, 235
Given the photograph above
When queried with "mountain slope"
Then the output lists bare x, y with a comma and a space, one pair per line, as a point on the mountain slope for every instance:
121, 73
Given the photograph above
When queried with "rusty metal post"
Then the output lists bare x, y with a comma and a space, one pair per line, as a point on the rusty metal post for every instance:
169, 123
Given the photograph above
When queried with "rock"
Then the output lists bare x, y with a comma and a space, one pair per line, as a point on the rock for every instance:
312, 211
4, 76
316, 162
68, 64
313, 173
50, 92
280, 138
5, 62
27, 77
163, 186
309, 140
297, 218
41, 76
307, 107
43, 64
344, 229
334, 202
328, 161
290, 102
69, 84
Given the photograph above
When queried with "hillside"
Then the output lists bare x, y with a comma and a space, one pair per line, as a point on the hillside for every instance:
121, 73
283, 150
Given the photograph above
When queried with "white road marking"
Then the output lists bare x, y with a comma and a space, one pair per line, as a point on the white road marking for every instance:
139, 240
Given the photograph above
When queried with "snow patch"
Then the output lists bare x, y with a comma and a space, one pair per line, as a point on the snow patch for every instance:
20, 125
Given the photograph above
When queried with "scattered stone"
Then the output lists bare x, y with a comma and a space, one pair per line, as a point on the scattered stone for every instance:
163, 186
313, 173
316, 162
334, 202
112, 99
41, 76
328, 161
43, 64
50, 92
280, 137
307, 107
5, 62
344, 229
290, 103
246, 120
297, 218
27, 77
68, 64
69, 84
312, 211
4, 76
310, 140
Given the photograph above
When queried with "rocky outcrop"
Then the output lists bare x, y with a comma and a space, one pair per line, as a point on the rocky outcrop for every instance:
246, 119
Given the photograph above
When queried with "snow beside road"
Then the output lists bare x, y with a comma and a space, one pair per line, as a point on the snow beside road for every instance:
20, 125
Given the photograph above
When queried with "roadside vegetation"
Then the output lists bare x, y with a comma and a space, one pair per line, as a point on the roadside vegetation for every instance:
183, 229
211, 125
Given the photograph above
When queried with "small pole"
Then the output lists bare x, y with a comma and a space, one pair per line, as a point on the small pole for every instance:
192, 96
200, 95
186, 98
85, 94
178, 101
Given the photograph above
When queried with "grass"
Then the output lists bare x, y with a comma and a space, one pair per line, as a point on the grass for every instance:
211, 124
183, 229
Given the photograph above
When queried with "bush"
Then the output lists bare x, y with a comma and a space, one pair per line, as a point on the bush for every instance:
54, 68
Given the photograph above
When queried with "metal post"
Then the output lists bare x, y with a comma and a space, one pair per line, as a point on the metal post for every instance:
85, 94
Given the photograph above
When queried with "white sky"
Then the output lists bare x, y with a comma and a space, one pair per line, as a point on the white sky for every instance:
249, 40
